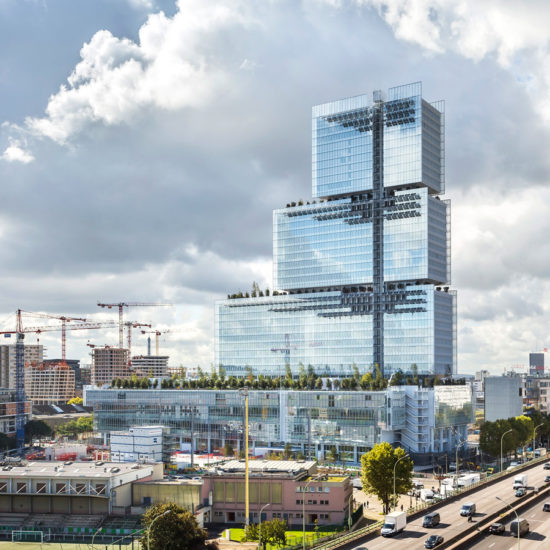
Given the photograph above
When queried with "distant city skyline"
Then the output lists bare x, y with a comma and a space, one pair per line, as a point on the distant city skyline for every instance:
145, 143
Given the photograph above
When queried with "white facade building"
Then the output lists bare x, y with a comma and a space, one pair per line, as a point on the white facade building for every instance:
142, 443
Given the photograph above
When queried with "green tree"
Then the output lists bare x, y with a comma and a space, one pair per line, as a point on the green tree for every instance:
366, 381
37, 428
356, 374
75, 401
490, 434
274, 532
414, 371
228, 449
250, 533
287, 453
397, 379
85, 424
377, 468
176, 530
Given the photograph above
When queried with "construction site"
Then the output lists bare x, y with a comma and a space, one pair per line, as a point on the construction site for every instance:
28, 379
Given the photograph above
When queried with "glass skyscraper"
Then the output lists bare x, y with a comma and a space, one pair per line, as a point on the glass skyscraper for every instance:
363, 269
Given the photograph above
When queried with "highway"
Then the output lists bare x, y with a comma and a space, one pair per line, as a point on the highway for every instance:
452, 523
538, 537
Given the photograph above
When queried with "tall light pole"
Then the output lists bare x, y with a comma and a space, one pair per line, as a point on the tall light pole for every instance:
151, 526
350, 500
534, 435
517, 518
501, 441
394, 472
244, 393
260, 526
304, 491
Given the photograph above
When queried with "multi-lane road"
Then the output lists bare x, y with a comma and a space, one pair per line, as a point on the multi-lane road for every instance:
537, 539
452, 523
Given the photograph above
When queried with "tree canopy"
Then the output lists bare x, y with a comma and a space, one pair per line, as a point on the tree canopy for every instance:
490, 434
176, 530
377, 467
37, 428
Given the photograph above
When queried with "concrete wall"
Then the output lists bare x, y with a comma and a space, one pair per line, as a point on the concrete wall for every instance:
503, 397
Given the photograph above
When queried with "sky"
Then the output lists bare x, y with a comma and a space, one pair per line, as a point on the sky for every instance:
145, 143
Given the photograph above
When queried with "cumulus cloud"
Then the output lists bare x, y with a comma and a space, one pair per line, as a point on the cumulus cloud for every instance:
15, 152
168, 68
514, 33
185, 128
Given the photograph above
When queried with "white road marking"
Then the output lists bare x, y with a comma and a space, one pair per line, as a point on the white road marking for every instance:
491, 545
533, 515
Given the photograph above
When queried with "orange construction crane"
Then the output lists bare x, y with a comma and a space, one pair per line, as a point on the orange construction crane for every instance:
121, 306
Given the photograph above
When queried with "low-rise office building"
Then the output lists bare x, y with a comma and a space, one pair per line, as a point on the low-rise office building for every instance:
422, 420
72, 487
137, 444
291, 488
503, 397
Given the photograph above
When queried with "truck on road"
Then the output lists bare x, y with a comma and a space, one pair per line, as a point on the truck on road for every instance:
468, 479
520, 481
394, 523
540, 452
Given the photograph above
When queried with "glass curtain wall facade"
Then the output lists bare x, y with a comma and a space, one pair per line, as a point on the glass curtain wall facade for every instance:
364, 268
420, 420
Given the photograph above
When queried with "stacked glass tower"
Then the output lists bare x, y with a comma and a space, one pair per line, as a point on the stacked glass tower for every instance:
363, 270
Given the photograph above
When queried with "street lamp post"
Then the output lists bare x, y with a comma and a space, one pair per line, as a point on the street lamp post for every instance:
501, 442
394, 472
517, 518
534, 436
260, 525
151, 526
244, 393
350, 500
304, 490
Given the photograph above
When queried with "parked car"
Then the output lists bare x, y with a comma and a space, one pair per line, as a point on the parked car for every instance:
521, 492
433, 541
513, 464
497, 529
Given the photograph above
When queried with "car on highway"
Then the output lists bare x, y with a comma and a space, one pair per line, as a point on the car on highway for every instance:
468, 509
546, 507
547, 466
521, 492
433, 541
547, 479
497, 529
431, 520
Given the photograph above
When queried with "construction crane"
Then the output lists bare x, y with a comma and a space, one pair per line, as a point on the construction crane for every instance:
121, 306
64, 319
129, 326
157, 333
20, 362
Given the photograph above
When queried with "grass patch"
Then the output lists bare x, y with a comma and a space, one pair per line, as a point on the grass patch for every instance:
293, 537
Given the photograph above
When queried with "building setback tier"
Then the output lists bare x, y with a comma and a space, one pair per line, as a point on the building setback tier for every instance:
333, 331
362, 266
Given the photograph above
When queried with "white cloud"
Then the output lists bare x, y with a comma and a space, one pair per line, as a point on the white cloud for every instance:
514, 32
141, 4
171, 67
16, 153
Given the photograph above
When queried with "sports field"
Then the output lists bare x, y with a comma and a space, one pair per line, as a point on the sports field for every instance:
65, 546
